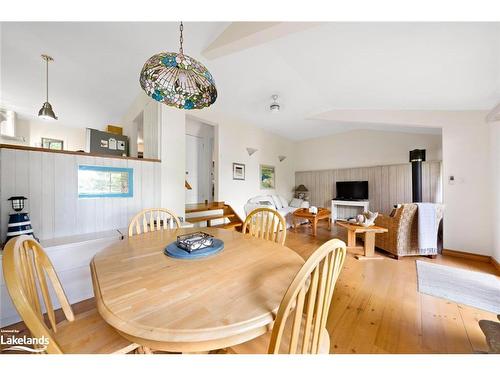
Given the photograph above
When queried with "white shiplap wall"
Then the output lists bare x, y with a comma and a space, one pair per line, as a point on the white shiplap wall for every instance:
71, 262
50, 182
387, 185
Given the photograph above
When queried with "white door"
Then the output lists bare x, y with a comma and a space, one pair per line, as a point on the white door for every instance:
195, 169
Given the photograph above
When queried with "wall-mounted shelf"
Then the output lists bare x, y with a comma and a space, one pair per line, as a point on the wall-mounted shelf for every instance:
39, 149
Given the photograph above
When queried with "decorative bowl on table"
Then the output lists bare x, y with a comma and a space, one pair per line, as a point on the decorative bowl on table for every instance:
194, 241
194, 246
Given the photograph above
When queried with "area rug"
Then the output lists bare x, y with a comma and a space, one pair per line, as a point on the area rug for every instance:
471, 288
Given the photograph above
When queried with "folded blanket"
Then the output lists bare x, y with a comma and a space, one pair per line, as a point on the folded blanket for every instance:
427, 228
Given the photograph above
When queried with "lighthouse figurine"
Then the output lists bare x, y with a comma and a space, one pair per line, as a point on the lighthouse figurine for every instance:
19, 223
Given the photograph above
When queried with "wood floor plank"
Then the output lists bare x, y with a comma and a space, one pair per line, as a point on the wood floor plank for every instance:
405, 321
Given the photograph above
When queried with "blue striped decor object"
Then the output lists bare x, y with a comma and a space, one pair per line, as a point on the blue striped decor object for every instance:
19, 223
174, 251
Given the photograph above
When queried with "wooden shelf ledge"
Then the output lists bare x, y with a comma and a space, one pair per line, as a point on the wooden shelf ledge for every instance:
39, 149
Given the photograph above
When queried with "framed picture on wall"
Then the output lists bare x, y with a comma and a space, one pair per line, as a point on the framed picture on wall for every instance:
238, 171
53, 144
267, 177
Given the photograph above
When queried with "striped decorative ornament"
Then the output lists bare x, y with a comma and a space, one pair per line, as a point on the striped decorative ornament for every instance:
19, 223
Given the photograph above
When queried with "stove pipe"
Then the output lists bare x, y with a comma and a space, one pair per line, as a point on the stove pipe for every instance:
416, 159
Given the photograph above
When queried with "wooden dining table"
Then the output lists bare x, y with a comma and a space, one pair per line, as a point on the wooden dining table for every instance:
197, 305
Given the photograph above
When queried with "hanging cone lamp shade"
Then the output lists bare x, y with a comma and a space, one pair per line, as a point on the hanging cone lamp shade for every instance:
46, 112
178, 80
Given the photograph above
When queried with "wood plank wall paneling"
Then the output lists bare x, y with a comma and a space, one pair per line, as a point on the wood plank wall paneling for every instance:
50, 182
388, 185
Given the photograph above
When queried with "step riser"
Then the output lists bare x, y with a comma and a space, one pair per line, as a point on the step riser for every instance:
198, 214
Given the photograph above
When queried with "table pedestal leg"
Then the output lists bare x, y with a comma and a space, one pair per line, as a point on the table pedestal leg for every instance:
314, 223
369, 248
351, 238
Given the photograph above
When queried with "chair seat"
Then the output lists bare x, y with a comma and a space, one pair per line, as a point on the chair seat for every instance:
90, 334
260, 345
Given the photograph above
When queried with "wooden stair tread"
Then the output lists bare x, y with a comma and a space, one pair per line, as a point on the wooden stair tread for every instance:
200, 207
208, 218
229, 225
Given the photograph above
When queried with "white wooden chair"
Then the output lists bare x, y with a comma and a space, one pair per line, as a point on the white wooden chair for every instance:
267, 224
300, 325
152, 219
26, 268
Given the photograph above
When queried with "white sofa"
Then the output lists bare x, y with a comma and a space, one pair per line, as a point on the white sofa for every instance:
278, 203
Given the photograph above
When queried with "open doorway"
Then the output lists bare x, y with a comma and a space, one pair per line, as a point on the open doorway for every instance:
139, 123
200, 161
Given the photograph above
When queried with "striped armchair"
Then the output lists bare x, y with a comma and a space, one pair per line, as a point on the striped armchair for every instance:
402, 237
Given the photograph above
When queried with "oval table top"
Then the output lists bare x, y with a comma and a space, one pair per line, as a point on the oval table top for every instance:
192, 305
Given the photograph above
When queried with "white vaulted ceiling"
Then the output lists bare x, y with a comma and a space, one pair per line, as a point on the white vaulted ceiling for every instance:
95, 75
314, 69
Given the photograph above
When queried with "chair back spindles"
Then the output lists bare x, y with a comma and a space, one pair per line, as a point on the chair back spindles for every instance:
153, 219
306, 304
27, 272
267, 224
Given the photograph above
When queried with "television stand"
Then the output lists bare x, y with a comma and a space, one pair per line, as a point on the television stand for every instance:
336, 204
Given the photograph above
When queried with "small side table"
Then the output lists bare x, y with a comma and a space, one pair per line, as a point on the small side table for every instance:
304, 213
369, 246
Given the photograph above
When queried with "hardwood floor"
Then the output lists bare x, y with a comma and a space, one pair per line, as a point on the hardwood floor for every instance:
376, 306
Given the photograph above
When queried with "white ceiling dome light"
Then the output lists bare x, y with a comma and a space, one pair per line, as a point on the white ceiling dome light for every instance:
274, 107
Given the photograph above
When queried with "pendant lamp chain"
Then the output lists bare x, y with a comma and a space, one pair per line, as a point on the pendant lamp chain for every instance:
181, 39
47, 79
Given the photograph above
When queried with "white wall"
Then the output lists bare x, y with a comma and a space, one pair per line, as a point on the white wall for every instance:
170, 142
71, 262
468, 222
466, 155
173, 158
199, 155
495, 157
388, 185
128, 120
74, 138
50, 182
233, 138
33, 130
364, 148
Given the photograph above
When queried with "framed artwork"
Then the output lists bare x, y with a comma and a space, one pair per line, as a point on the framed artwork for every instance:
238, 171
53, 144
267, 177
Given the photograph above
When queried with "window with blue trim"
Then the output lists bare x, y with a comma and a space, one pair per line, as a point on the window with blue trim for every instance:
100, 182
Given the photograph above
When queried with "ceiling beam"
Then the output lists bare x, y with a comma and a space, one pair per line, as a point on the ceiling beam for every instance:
239, 36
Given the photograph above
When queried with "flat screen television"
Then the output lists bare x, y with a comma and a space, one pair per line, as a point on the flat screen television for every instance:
352, 190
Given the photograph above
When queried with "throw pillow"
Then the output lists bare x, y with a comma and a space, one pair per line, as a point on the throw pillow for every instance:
296, 202
277, 202
265, 203
284, 203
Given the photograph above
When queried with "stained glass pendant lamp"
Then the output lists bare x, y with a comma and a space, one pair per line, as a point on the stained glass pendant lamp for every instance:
46, 112
178, 80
